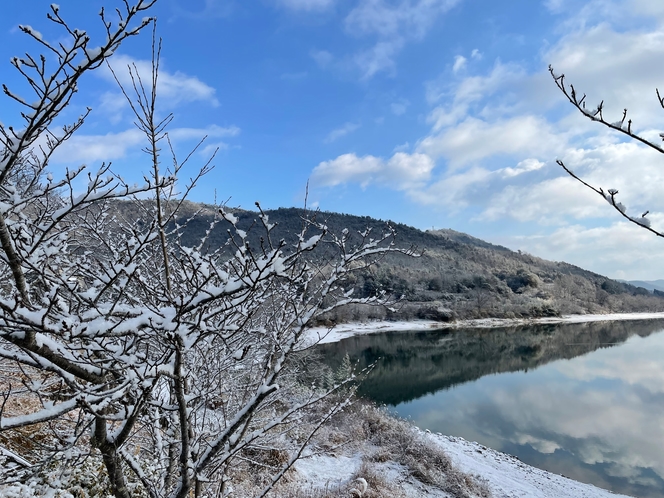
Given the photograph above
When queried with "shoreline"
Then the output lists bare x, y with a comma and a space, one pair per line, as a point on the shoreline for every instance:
508, 477
325, 335
505, 475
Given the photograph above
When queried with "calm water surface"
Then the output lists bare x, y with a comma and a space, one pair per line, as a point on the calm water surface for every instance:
583, 400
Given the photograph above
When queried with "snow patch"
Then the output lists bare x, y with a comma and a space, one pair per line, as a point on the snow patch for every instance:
320, 471
323, 335
508, 477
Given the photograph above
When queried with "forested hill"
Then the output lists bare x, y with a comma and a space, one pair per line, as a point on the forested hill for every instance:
458, 276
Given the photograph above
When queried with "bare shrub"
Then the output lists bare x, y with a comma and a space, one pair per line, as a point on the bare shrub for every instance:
174, 365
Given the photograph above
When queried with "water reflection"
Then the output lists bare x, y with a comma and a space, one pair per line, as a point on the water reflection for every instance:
583, 400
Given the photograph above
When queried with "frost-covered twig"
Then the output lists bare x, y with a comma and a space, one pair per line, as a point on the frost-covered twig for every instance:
624, 126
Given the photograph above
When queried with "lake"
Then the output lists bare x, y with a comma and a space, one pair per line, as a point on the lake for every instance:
582, 400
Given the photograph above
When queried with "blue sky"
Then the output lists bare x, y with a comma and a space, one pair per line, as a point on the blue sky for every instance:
434, 113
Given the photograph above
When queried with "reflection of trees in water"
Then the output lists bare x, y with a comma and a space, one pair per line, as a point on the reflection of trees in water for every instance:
412, 364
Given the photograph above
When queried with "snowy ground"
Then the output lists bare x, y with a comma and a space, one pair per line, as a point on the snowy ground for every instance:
329, 471
508, 477
324, 335
505, 475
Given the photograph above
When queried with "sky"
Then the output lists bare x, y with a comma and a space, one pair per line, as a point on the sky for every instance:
433, 113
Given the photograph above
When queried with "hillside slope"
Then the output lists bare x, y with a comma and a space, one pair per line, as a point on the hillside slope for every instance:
457, 276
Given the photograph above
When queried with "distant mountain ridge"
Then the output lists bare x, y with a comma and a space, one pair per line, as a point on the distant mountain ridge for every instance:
650, 285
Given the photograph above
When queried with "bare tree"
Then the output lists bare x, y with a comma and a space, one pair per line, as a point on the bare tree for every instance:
481, 295
171, 364
624, 126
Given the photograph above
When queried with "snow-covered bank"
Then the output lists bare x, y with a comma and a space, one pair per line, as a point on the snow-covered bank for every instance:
508, 477
325, 335
504, 475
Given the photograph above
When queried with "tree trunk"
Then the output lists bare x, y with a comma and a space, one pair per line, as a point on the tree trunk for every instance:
112, 461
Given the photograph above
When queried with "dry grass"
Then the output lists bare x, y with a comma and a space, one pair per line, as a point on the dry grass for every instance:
384, 441
377, 487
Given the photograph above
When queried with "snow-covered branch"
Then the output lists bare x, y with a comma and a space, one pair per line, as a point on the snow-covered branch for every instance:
624, 126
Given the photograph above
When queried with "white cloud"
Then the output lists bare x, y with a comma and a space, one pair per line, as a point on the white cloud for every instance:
465, 143
609, 165
378, 58
401, 172
618, 250
653, 8
393, 24
212, 131
322, 57
213, 148
502, 114
618, 64
405, 18
113, 104
390, 24
444, 116
112, 146
457, 190
525, 166
500, 79
552, 201
93, 148
615, 67
474, 140
408, 170
453, 191
306, 5
621, 13
173, 89
459, 63
347, 168
555, 6
507, 85
211, 9
400, 107
341, 132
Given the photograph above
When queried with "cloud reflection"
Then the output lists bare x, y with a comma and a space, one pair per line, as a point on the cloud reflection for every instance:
604, 409
596, 417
